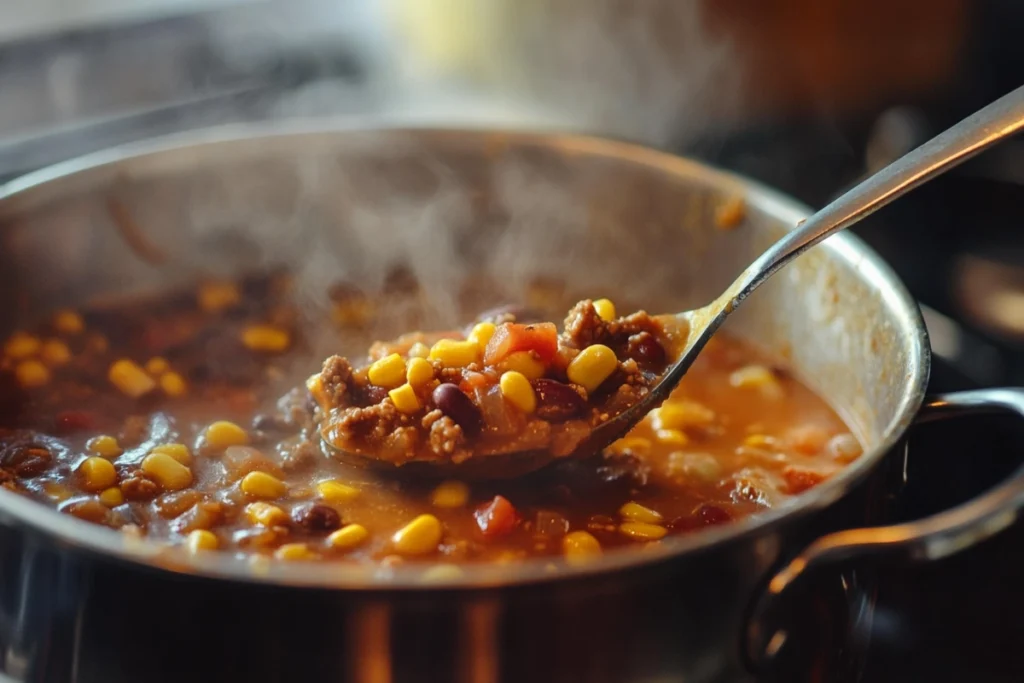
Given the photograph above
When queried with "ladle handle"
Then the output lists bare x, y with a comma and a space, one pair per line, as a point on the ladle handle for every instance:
931, 538
977, 132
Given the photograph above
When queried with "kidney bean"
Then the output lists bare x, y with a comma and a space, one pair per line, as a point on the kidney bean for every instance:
710, 515
26, 460
316, 517
557, 402
450, 400
645, 349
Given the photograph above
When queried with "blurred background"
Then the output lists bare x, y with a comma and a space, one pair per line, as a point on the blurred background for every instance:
805, 95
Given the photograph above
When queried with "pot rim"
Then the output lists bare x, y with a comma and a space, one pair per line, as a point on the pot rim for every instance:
116, 546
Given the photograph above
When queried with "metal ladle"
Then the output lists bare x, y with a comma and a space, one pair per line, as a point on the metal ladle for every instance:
977, 132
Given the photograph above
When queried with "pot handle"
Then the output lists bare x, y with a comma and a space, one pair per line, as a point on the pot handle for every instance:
931, 538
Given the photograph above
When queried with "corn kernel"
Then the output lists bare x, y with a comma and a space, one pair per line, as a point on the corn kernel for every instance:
265, 514
524, 363
214, 297
672, 437
173, 384
21, 345
111, 497
55, 352
178, 451
97, 474
130, 379
404, 399
579, 547
605, 309
481, 334
262, 485
222, 434
450, 494
295, 552
418, 350
454, 354
166, 471
201, 539
68, 322
104, 445
419, 372
760, 441
592, 366
388, 372
681, 415
517, 390
315, 386
31, 373
348, 537
336, 492
642, 531
266, 338
157, 366
757, 377
418, 537
635, 512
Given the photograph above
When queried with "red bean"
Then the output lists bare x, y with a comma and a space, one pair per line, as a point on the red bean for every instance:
710, 515
26, 460
557, 402
450, 400
316, 517
645, 349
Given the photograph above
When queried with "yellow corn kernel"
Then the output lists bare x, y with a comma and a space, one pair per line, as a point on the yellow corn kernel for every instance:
757, 377
214, 297
295, 552
517, 390
315, 386
481, 334
388, 372
97, 474
418, 537
404, 399
642, 531
178, 451
419, 372
201, 539
266, 338
55, 352
760, 441
262, 485
418, 350
635, 512
166, 471
111, 497
130, 379
222, 434
672, 437
605, 309
524, 363
636, 445
681, 415
173, 384
348, 537
454, 354
265, 514
579, 547
450, 494
335, 492
68, 322
21, 345
157, 366
31, 373
104, 445
592, 366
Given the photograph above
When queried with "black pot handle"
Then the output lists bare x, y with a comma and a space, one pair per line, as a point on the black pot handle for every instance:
931, 538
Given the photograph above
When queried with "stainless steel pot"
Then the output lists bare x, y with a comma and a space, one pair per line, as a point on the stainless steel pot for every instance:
477, 216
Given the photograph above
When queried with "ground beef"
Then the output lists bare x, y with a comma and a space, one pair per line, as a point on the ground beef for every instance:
583, 327
336, 377
136, 486
297, 454
372, 423
446, 437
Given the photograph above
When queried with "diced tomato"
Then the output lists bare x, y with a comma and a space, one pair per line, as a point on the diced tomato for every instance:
799, 480
541, 338
496, 518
